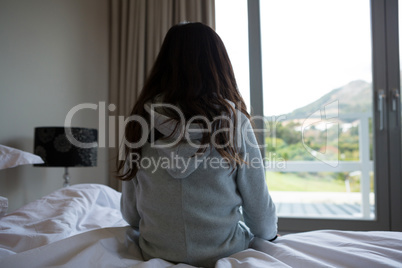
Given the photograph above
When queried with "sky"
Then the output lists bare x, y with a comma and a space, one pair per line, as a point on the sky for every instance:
309, 47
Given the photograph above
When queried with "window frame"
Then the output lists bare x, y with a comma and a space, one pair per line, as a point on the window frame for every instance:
387, 142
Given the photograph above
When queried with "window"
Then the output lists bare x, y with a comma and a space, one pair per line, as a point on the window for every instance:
317, 87
317, 77
232, 28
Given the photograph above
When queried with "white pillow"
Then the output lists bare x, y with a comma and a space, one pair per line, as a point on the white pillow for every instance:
10, 157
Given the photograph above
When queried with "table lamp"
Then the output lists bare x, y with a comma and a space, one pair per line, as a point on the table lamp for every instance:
56, 150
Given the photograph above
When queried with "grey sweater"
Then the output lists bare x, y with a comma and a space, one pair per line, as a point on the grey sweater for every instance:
190, 208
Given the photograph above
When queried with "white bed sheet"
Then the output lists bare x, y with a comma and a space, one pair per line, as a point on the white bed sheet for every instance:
81, 226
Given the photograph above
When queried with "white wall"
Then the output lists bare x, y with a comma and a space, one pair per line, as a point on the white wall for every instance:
53, 56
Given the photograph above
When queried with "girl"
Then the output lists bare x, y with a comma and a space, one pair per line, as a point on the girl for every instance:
193, 177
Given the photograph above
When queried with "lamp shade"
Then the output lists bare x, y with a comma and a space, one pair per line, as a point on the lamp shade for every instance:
56, 150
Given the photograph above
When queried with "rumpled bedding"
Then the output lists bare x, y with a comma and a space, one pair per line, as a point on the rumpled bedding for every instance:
81, 226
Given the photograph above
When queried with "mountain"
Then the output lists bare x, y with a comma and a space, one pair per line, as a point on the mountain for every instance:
355, 97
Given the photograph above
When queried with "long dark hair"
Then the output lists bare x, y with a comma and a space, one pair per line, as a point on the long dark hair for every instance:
192, 72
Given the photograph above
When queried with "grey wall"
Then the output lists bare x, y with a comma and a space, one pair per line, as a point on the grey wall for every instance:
53, 56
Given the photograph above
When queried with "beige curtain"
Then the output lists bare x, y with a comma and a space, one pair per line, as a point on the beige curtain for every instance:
137, 29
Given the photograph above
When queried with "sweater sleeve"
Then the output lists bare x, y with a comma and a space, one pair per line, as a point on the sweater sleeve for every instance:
258, 208
128, 204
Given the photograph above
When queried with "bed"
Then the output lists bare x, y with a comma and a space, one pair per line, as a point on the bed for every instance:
81, 226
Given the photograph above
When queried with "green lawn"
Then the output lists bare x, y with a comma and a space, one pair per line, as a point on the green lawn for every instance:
293, 182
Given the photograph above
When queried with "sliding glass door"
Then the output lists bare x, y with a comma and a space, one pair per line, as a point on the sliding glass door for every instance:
318, 91
324, 85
